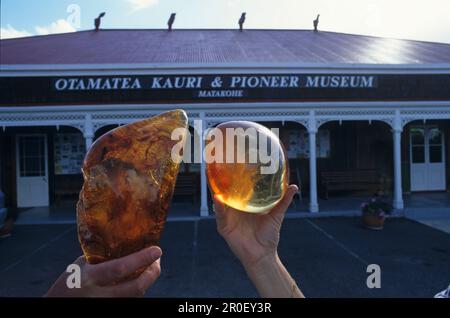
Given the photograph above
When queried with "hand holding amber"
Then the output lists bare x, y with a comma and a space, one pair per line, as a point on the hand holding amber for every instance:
101, 280
251, 237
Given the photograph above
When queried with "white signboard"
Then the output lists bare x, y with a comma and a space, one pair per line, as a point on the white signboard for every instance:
298, 144
69, 153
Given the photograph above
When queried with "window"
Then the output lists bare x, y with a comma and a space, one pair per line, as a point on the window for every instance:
418, 154
426, 145
435, 154
418, 145
32, 156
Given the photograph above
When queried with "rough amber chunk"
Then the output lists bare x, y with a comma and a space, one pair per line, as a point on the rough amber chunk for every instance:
129, 178
243, 185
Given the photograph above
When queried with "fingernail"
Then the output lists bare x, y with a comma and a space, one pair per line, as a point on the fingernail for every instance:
155, 252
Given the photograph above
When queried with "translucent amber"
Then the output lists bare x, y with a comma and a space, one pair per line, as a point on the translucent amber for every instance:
129, 178
242, 185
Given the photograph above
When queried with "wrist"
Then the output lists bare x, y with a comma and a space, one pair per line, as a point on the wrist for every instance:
250, 253
271, 278
257, 265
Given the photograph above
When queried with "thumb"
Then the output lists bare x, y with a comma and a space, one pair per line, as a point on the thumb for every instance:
283, 205
219, 208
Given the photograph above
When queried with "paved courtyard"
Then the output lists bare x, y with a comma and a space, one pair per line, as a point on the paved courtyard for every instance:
327, 256
432, 207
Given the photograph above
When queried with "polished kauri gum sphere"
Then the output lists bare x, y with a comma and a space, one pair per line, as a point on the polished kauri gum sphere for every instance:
129, 179
242, 185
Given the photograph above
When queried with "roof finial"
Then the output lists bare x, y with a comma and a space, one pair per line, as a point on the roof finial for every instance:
316, 23
241, 22
171, 21
98, 20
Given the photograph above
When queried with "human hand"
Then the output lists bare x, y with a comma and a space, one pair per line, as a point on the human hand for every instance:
250, 236
99, 280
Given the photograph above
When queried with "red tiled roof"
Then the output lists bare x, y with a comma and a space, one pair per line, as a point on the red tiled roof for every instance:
217, 46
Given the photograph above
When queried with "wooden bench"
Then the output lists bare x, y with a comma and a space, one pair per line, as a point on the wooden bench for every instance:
350, 180
187, 185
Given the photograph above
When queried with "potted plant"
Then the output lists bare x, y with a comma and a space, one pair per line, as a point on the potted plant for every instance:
374, 211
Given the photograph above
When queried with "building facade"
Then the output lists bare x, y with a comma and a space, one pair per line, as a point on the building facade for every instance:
372, 112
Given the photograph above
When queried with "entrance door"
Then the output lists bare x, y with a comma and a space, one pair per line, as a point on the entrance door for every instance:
427, 159
32, 171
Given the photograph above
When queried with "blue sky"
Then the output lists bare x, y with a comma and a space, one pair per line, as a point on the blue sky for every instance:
414, 19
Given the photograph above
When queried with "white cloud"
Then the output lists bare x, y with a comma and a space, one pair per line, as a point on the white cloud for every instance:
137, 5
233, 3
407, 19
9, 32
59, 26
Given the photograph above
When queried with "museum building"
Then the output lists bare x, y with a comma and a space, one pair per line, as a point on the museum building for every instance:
356, 114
